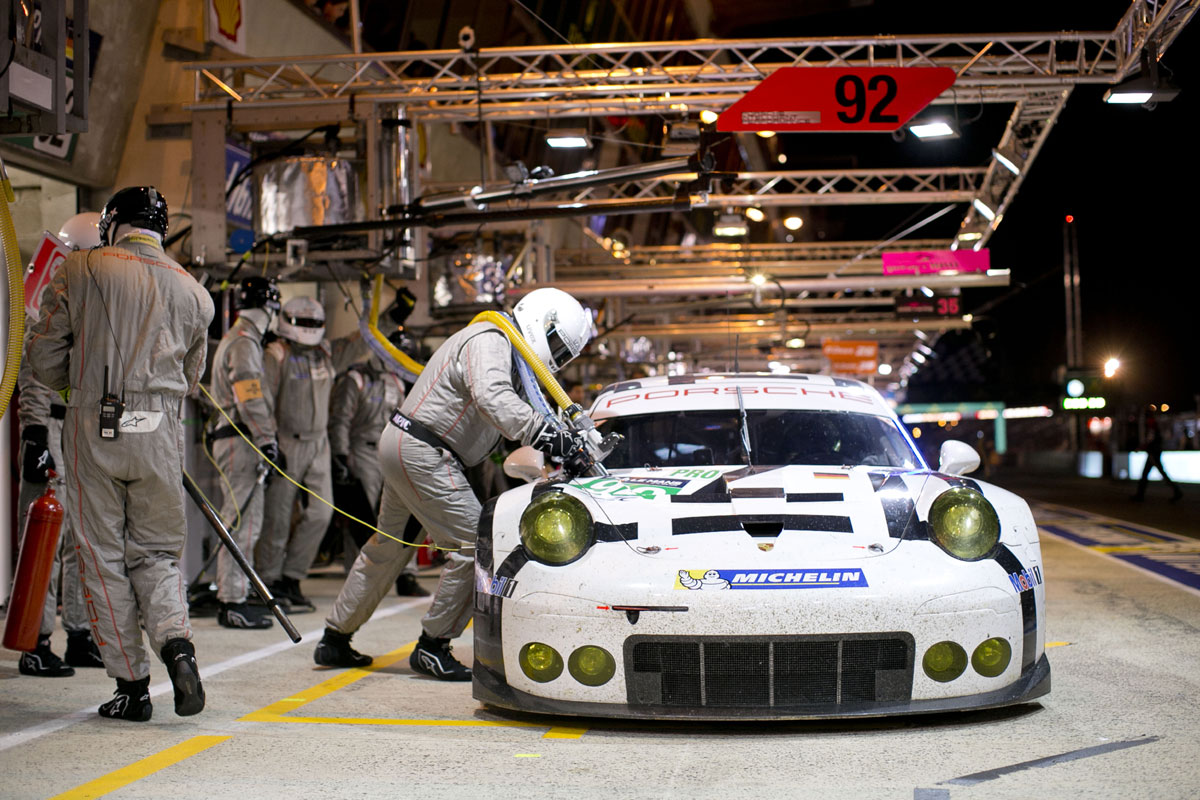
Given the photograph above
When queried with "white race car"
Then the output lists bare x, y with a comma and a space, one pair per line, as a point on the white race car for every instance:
764, 547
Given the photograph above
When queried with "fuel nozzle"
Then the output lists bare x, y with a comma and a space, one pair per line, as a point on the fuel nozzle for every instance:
597, 447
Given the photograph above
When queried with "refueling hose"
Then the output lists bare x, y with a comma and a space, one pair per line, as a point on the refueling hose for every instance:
16, 293
376, 340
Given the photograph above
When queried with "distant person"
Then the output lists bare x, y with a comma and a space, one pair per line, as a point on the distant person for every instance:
1154, 448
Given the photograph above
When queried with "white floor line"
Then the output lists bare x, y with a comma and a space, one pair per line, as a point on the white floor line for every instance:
20, 737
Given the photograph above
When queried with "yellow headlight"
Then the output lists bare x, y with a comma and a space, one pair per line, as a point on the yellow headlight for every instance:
944, 661
991, 657
540, 662
964, 524
592, 665
556, 528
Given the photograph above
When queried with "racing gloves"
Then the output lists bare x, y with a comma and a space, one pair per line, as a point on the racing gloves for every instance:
342, 475
273, 453
564, 447
37, 462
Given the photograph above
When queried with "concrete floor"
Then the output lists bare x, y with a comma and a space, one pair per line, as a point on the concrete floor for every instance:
1120, 722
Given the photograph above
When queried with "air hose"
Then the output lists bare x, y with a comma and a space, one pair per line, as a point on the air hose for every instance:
378, 342
16, 293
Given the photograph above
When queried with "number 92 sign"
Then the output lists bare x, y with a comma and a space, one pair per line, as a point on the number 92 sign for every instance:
836, 99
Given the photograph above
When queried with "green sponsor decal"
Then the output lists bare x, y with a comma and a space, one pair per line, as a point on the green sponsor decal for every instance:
614, 487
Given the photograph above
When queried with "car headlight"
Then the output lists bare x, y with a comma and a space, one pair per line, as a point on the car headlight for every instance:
964, 524
556, 528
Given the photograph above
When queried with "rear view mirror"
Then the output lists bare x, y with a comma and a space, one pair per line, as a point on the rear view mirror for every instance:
525, 464
957, 458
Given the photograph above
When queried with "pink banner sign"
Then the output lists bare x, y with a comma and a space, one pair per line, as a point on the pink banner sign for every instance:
932, 262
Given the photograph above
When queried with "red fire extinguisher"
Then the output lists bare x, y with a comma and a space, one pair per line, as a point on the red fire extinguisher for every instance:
42, 526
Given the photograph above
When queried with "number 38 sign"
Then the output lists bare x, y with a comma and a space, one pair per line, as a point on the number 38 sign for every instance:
836, 99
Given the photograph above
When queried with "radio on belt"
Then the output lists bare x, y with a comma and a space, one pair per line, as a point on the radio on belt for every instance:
111, 409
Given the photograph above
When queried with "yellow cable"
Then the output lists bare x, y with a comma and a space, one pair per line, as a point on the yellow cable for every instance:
299, 485
225, 480
401, 357
16, 293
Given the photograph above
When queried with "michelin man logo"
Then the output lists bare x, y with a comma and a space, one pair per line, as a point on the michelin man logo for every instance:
710, 580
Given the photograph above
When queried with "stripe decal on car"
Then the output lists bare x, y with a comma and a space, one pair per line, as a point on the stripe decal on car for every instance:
790, 522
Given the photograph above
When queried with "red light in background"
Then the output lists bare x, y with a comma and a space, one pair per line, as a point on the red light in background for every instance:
1070, 218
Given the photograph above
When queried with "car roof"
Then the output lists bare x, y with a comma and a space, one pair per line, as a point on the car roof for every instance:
720, 391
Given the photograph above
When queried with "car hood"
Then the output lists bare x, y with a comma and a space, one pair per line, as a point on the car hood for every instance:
853, 511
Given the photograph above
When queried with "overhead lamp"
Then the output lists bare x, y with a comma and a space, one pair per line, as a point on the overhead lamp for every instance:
795, 343
932, 129
758, 279
793, 223
730, 225
1148, 87
708, 117
1009, 159
755, 214
920, 359
970, 236
765, 134
984, 209
566, 138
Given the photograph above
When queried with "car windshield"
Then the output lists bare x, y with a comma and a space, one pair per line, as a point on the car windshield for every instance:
778, 437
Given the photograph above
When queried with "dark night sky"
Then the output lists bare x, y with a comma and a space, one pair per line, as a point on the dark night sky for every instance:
1123, 172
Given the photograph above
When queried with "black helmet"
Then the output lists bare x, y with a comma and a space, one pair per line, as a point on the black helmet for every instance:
258, 292
142, 206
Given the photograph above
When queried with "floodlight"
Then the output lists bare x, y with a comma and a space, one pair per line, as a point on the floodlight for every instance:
568, 138
793, 223
1147, 87
1009, 159
755, 214
730, 225
984, 209
932, 129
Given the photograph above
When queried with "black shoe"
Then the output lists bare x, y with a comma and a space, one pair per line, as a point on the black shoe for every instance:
433, 657
244, 616
407, 586
180, 658
82, 650
41, 662
131, 701
334, 650
290, 588
283, 603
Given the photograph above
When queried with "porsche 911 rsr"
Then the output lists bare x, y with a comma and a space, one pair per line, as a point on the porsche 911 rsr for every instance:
765, 546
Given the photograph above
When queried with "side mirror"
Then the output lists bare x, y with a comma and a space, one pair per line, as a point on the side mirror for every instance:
957, 458
527, 464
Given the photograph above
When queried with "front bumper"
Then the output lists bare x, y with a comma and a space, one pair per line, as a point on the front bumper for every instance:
491, 688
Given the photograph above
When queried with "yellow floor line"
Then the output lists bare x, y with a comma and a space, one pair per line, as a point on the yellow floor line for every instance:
1057, 644
140, 769
283, 710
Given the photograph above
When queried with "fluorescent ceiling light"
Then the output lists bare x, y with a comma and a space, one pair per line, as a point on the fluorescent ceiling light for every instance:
1142, 89
984, 209
1008, 159
1126, 97
568, 138
730, 225
970, 236
932, 129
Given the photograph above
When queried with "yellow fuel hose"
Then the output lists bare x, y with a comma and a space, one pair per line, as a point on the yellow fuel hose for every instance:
544, 375
401, 357
16, 293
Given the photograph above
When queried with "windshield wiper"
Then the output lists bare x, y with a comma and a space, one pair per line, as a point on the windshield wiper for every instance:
745, 427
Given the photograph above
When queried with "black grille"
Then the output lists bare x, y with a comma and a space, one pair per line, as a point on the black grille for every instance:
793, 672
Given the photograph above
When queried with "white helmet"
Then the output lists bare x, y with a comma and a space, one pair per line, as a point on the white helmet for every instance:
80, 232
554, 324
303, 321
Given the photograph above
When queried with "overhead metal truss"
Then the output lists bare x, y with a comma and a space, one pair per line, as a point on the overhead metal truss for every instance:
661, 77
805, 187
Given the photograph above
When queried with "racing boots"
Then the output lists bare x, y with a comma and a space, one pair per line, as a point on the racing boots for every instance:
433, 657
82, 650
289, 589
131, 701
41, 662
180, 658
334, 650
244, 616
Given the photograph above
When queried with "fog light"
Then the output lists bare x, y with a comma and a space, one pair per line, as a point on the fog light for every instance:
540, 662
945, 661
591, 665
991, 657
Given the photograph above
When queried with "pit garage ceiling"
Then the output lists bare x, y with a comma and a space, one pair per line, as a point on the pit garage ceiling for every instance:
664, 279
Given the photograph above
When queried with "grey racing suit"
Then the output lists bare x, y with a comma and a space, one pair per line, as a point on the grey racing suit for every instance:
131, 309
363, 397
237, 386
40, 405
467, 395
300, 379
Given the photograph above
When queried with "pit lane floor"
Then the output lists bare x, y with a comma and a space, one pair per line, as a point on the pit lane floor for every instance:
1119, 722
